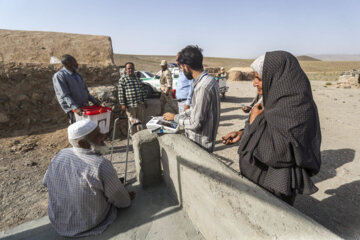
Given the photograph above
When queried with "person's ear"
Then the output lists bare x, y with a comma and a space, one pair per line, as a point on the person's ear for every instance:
186, 67
84, 144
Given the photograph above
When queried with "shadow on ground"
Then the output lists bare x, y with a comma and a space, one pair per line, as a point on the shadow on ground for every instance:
135, 222
334, 212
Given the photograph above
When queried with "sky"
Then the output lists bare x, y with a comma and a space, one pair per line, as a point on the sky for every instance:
223, 28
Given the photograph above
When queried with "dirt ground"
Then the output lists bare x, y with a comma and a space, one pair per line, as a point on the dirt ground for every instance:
25, 158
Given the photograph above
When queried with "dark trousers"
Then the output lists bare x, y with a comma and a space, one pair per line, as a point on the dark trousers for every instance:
71, 117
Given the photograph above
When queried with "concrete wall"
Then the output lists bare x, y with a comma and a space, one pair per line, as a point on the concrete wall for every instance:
222, 204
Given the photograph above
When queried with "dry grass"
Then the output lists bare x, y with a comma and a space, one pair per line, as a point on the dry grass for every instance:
316, 70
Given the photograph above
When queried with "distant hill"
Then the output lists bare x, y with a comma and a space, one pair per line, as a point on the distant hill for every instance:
152, 63
337, 57
307, 58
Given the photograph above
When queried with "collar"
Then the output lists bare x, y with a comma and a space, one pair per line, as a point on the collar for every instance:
203, 74
68, 71
131, 77
83, 151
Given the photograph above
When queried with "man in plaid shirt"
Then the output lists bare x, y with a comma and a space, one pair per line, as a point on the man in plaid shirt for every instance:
132, 96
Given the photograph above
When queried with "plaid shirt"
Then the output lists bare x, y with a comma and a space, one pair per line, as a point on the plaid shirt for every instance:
131, 91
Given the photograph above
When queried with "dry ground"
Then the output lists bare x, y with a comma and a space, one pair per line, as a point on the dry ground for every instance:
24, 160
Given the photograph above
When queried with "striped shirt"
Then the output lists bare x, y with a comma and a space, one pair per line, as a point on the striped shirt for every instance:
201, 120
84, 192
131, 91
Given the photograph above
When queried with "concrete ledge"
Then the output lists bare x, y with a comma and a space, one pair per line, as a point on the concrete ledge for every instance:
153, 215
224, 205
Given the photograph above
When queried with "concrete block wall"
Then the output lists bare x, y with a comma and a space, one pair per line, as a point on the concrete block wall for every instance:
224, 205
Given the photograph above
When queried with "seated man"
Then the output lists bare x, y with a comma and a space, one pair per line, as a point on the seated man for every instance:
84, 190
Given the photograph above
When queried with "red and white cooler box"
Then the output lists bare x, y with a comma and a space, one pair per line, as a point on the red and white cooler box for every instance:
98, 114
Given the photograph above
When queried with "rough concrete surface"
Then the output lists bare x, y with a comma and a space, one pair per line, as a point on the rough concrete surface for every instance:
224, 205
147, 153
152, 215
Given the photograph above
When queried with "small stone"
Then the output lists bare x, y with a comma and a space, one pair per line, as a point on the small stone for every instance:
4, 118
30, 163
335, 99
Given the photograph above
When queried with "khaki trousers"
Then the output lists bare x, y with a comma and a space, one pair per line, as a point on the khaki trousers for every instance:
136, 114
167, 99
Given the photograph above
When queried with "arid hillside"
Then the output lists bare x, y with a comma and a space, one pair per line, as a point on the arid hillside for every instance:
39, 47
315, 69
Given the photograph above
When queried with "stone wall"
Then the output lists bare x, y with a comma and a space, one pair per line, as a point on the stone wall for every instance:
219, 202
27, 97
349, 79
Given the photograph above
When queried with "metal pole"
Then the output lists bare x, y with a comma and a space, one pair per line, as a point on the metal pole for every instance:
113, 138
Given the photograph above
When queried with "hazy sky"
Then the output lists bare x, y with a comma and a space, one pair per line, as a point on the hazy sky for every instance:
241, 29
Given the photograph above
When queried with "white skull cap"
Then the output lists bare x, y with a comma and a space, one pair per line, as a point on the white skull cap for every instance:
81, 128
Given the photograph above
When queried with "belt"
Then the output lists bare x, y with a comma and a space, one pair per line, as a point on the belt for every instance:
181, 100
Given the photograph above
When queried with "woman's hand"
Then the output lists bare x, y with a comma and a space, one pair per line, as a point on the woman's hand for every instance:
256, 111
232, 137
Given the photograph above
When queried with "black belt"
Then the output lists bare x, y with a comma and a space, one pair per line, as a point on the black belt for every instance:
181, 100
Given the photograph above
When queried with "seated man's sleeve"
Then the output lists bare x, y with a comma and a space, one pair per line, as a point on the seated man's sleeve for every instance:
62, 91
194, 117
114, 190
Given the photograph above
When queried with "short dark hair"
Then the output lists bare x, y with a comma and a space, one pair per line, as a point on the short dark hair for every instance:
130, 63
66, 58
192, 56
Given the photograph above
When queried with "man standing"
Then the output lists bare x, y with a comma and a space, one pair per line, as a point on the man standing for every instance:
166, 88
184, 89
222, 73
132, 96
84, 189
201, 120
70, 88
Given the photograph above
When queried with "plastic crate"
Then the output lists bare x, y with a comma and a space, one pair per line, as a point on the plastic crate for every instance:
98, 114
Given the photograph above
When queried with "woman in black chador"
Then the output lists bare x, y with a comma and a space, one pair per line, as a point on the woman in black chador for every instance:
280, 143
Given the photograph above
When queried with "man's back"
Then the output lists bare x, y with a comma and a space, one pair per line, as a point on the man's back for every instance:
80, 185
